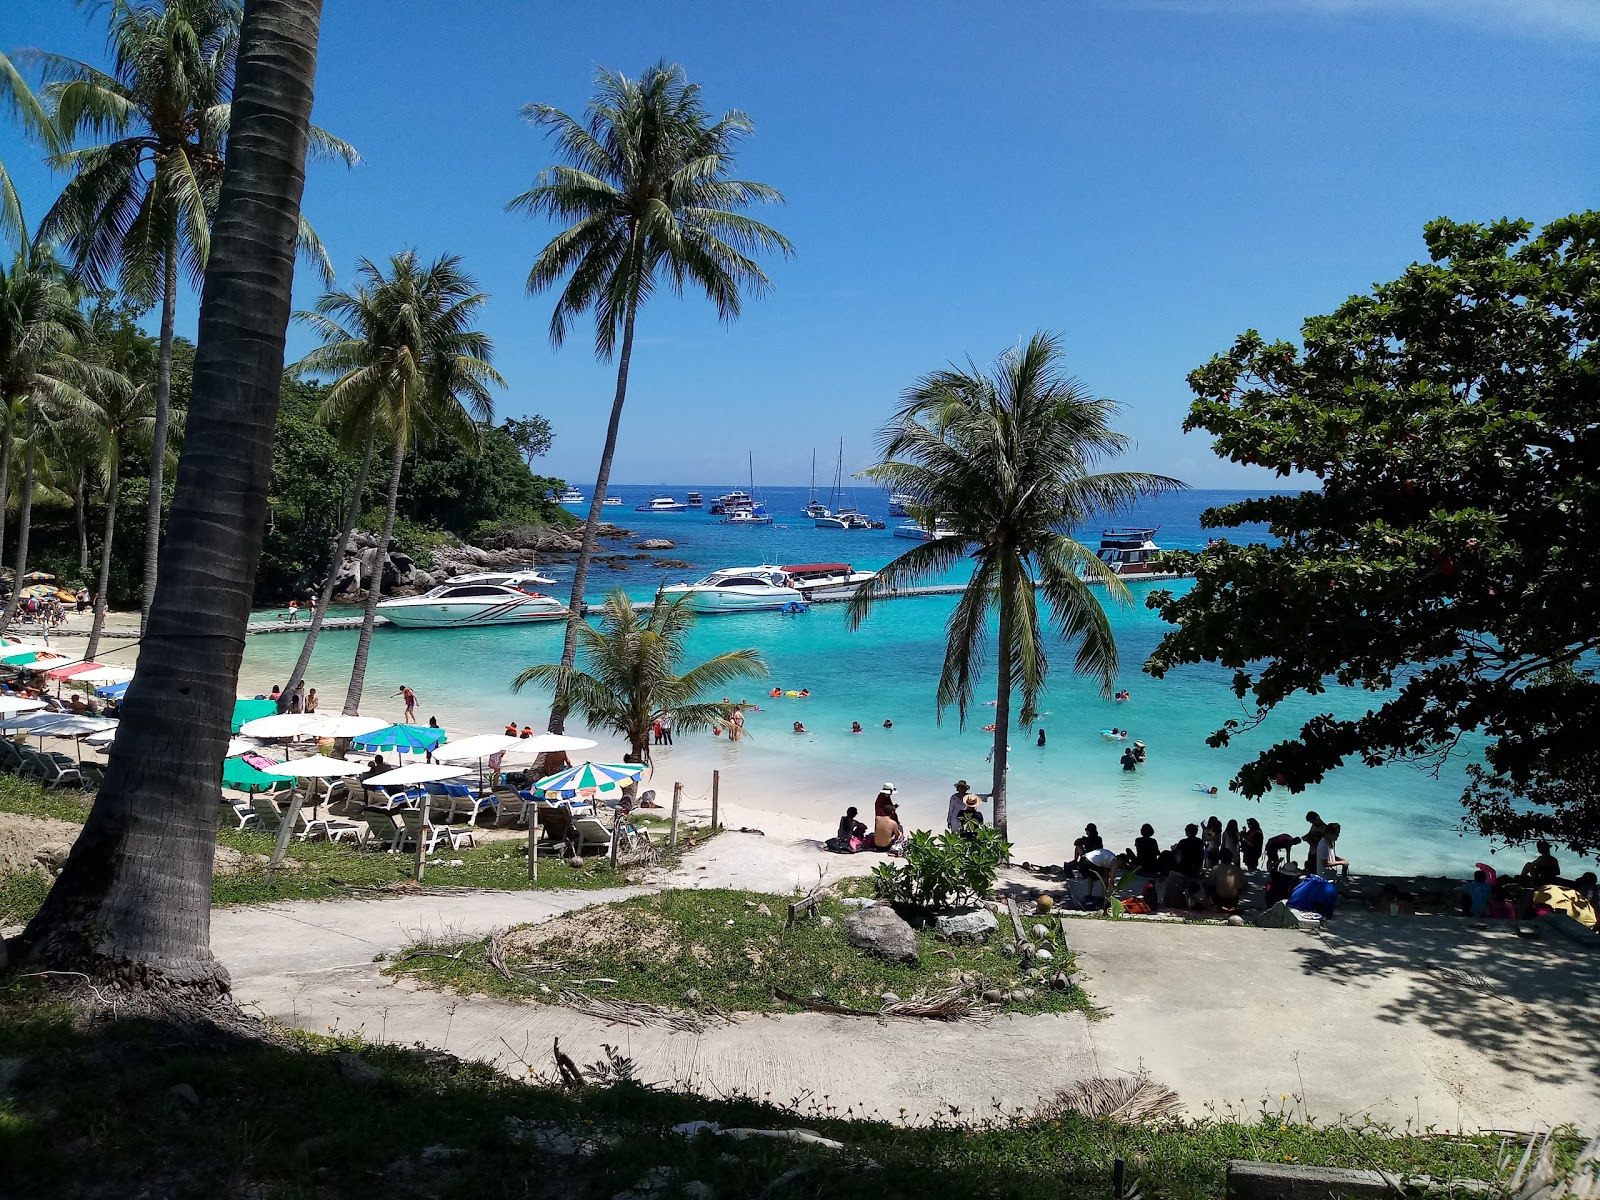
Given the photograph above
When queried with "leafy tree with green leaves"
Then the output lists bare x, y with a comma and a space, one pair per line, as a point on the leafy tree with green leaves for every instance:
1002, 458
646, 200
530, 435
631, 673
408, 368
462, 487
139, 204
1444, 564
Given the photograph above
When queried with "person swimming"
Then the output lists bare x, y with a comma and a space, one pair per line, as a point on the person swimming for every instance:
855, 726
888, 724
799, 728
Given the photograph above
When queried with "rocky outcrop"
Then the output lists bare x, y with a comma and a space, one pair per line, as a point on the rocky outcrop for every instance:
656, 544
880, 930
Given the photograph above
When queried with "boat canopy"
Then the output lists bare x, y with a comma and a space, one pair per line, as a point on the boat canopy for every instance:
818, 569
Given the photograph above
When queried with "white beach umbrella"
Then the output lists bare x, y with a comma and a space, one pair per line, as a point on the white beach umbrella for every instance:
236, 746
11, 706
549, 743
278, 725
59, 724
337, 725
318, 766
471, 749
421, 772
103, 675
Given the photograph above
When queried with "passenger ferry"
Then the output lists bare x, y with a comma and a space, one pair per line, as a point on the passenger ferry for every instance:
571, 496
1132, 553
899, 504
695, 500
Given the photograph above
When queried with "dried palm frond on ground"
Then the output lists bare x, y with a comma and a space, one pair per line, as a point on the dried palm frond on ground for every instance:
952, 1004
1127, 1098
1463, 977
630, 1012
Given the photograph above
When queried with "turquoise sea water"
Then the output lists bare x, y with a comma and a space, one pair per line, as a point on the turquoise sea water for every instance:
1396, 819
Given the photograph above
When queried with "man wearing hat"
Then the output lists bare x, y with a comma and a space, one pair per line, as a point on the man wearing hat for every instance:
961, 800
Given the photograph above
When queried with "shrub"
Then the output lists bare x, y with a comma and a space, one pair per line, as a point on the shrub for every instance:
944, 869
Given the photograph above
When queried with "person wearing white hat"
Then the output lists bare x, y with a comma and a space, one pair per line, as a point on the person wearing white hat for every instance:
886, 820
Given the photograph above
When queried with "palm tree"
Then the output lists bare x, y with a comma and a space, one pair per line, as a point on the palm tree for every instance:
139, 204
133, 902
39, 371
408, 368
630, 676
647, 194
1003, 459
121, 414
35, 121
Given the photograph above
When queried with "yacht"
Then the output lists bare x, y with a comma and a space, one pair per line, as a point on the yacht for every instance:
738, 589
458, 605
754, 516
921, 533
611, 501
829, 521
733, 501
1131, 553
526, 580
662, 504
695, 500
900, 505
817, 510
822, 579
855, 519
570, 496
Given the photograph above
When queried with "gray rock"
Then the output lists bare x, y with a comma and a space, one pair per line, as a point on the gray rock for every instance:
692, 996
52, 856
994, 996
697, 1190
656, 544
972, 927
889, 998
576, 862
763, 911
825, 921
1044, 953
858, 902
439, 1154
358, 1070
184, 1092
1236, 919
1040, 931
880, 930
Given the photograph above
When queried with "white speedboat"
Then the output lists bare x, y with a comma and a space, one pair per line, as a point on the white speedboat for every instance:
747, 518
821, 579
738, 589
662, 504
817, 510
921, 533
523, 580
611, 501
571, 496
829, 521
459, 605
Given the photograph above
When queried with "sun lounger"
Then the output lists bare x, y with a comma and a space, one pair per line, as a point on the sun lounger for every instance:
510, 807
269, 817
465, 802
587, 832
239, 806
52, 770
555, 829
10, 756
383, 828
431, 834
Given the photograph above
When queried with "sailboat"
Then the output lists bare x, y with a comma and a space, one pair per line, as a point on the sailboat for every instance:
754, 513
848, 517
815, 508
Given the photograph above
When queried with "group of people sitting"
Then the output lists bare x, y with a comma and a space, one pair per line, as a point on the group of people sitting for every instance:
887, 835
1538, 889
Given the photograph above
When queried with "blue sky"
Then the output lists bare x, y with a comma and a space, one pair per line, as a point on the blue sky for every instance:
1147, 178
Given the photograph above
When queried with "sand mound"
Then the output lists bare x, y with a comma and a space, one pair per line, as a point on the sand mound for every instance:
596, 932
41, 844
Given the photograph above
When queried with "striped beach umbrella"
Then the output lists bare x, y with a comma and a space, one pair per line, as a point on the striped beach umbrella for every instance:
407, 739
588, 779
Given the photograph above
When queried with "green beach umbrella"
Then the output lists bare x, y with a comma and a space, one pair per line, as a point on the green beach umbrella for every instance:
242, 777
249, 710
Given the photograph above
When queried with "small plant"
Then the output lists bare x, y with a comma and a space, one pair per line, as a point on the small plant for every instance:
943, 869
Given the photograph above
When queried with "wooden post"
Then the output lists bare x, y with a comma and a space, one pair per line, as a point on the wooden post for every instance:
716, 788
677, 799
533, 841
286, 826
426, 808
616, 833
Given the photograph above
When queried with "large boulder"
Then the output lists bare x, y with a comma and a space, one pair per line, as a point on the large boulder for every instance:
656, 544
880, 930
970, 927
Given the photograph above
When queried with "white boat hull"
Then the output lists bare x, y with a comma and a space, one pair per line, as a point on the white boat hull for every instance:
458, 614
730, 600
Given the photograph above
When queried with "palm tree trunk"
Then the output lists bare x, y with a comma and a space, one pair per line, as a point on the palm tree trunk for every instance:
133, 902
83, 524
24, 520
380, 560
113, 485
591, 527
158, 450
335, 561
1002, 705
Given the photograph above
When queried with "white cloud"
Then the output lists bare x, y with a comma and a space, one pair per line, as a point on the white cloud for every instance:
1577, 20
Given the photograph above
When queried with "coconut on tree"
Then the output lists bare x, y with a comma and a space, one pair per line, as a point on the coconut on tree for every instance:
645, 199
140, 202
408, 368
1004, 460
631, 673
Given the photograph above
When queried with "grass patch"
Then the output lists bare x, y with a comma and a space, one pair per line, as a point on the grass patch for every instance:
100, 1112
30, 799
718, 942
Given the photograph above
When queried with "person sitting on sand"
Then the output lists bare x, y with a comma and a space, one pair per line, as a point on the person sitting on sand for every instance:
1146, 851
1091, 838
886, 830
1226, 884
1500, 907
883, 805
958, 801
1328, 862
1190, 852
849, 827
1475, 894
1282, 878
1544, 868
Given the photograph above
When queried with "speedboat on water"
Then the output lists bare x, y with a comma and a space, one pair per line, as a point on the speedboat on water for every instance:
830, 521
756, 516
571, 496
921, 533
738, 589
609, 501
456, 605
822, 579
662, 504
816, 510
855, 519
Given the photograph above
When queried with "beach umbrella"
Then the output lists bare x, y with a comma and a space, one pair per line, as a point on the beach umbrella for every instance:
417, 773
249, 710
588, 779
36, 576
45, 591
549, 743
100, 673
114, 691
336, 725
11, 706
27, 656
243, 777
479, 746
278, 725
59, 724
72, 668
319, 766
407, 739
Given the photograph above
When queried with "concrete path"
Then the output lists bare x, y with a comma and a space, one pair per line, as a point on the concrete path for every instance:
1359, 1021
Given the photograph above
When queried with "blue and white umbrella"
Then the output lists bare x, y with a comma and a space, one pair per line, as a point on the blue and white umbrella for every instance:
588, 779
407, 739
